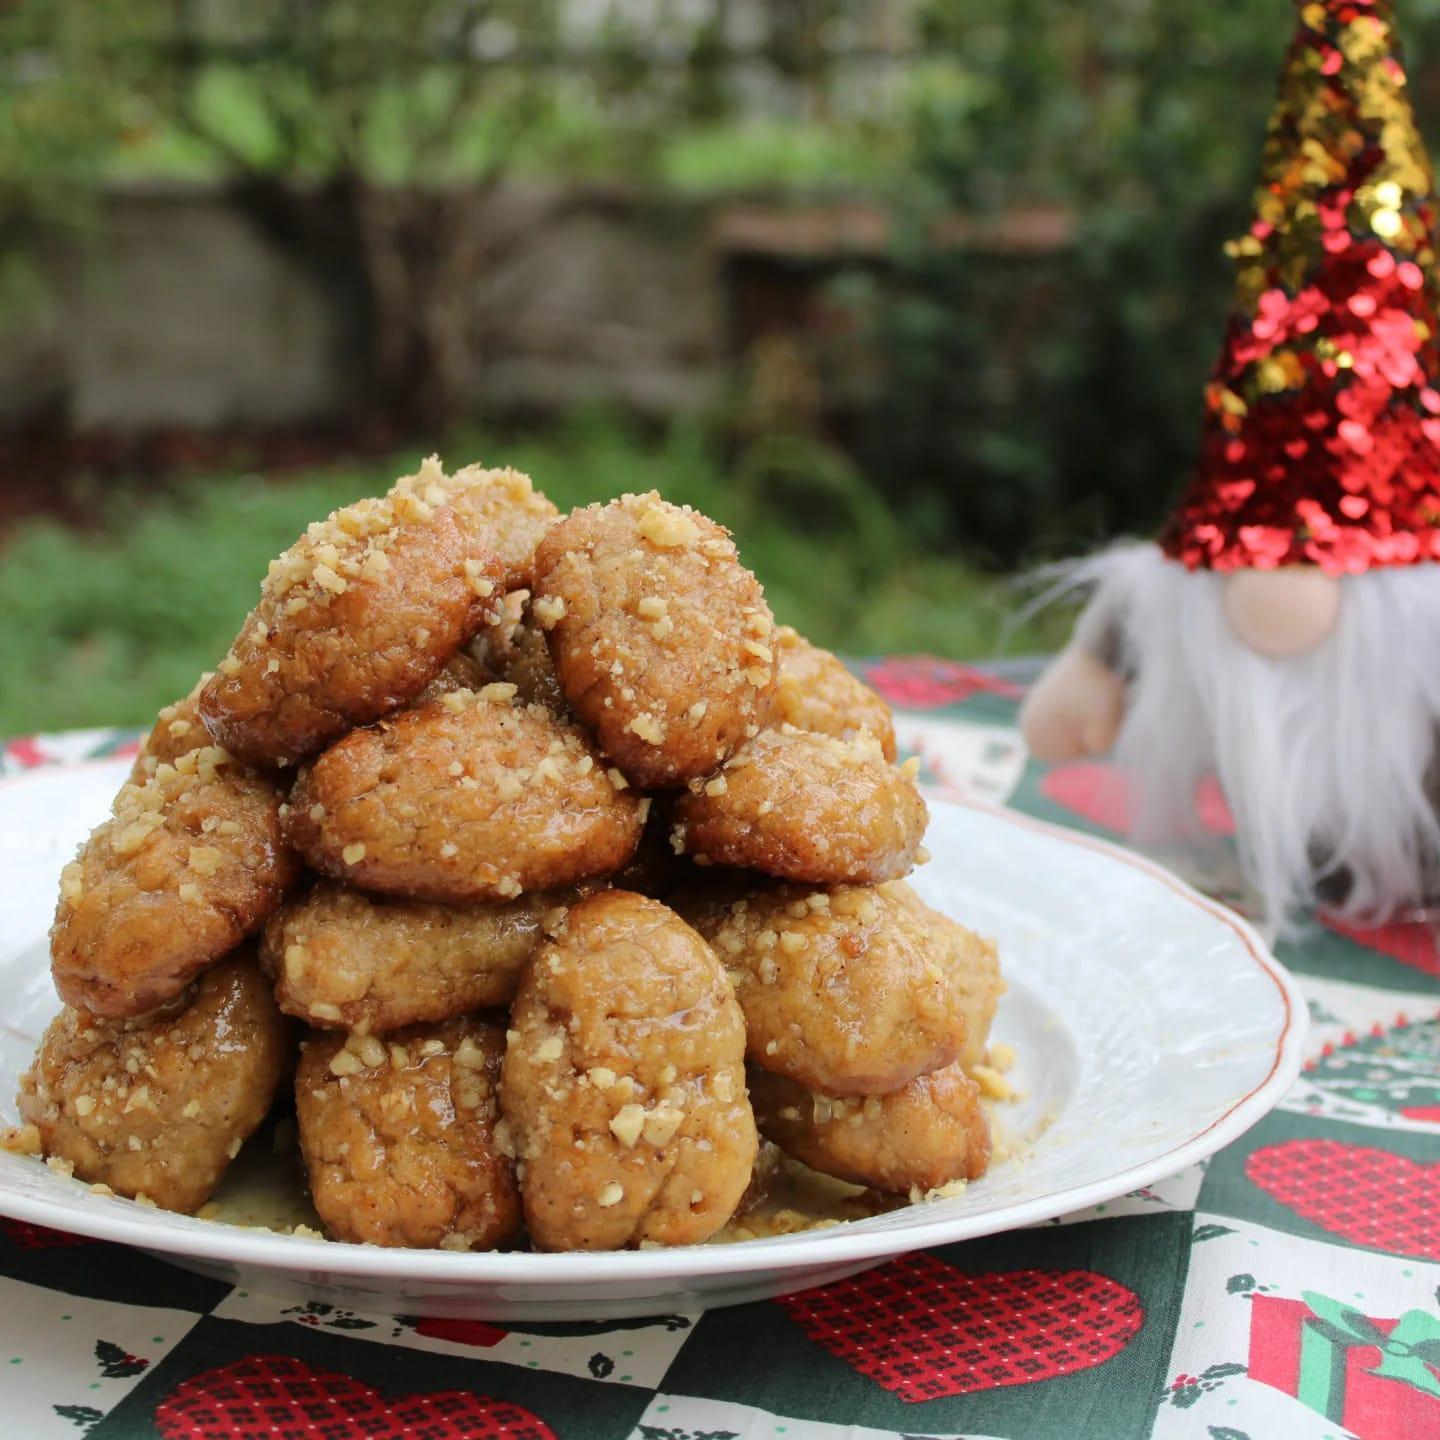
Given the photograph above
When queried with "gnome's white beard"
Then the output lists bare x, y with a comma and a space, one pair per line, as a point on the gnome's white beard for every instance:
1323, 758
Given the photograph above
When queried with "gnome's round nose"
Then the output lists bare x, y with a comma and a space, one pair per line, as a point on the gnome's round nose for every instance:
1281, 613
1283, 633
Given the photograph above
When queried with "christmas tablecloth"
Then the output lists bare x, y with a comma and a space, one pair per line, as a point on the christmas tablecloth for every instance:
1287, 1290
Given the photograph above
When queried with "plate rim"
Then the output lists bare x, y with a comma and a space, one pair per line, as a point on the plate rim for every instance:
337, 1262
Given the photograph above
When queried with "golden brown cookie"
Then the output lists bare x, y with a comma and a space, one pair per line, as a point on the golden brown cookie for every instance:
188, 864
354, 620
972, 963
814, 691
159, 1105
931, 1133
848, 991
399, 1136
471, 797
624, 1083
178, 729
501, 508
353, 961
659, 635
802, 806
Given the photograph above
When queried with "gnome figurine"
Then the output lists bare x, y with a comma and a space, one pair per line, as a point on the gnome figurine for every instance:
1283, 634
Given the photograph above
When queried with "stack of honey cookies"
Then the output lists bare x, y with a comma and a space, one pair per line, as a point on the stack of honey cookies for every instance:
469, 757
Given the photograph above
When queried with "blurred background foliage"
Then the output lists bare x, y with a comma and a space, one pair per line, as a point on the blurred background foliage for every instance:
1044, 186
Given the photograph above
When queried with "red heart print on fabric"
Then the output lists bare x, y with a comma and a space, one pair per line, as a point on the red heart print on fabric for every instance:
25, 752
1092, 791
1098, 793
460, 1332
925, 1330
280, 1398
919, 682
1364, 1195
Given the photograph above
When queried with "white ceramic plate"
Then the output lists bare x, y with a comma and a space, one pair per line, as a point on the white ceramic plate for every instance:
1151, 1027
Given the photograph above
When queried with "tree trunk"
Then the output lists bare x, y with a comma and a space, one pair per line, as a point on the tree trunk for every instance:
424, 252
406, 261
403, 262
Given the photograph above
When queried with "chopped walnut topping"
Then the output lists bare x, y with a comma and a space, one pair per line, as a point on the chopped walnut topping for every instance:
549, 610
666, 526
627, 1124
648, 728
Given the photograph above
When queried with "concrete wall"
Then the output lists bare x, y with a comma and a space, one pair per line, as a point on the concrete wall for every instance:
184, 315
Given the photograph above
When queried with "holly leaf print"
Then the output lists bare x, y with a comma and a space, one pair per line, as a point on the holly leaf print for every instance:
1210, 1232
1240, 1284
1222, 1371
82, 1415
655, 1432
1226, 1432
351, 1322
601, 1365
117, 1363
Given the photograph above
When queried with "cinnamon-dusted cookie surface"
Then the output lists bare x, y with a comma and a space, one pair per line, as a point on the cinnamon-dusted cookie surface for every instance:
345, 959
624, 1083
354, 620
929, 1134
159, 1105
473, 796
189, 863
814, 691
399, 1140
803, 806
846, 990
659, 635
501, 508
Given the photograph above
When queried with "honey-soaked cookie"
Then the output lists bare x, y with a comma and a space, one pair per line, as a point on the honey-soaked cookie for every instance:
660, 636
188, 864
472, 797
624, 1083
345, 959
160, 1104
814, 691
803, 806
929, 1134
972, 964
500, 508
354, 620
399, 1136
848, 991
178, 730
514, 649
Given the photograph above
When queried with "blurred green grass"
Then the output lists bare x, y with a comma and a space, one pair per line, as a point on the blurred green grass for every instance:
105, 625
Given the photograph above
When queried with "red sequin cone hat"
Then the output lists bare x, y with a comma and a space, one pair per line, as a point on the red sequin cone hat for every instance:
1321, 440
